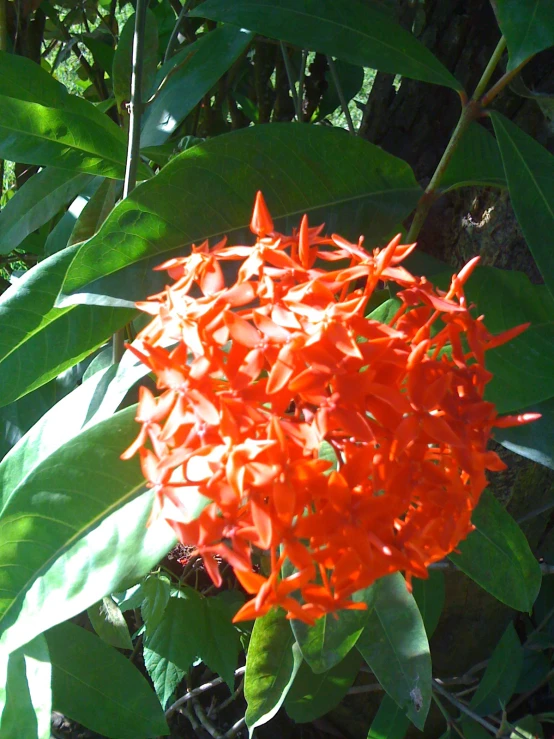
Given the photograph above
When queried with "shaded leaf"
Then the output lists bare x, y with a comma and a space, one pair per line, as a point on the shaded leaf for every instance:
312, 696
527, 728
472, 730
395, 647
193, 72
499, 681
530, 173
357, 33
36, 202
109, 623
231, 168
272, 662
476, 161
123, 707
528, 26
497, 556
429, 596
390, 721
95, 211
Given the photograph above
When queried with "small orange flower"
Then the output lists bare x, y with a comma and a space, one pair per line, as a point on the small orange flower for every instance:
262, 371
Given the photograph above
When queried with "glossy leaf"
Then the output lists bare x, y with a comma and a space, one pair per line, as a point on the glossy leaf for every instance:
534, 441
122, 61
530, 174
38, 341
476, 161
23, 79
528, 26
272, 662
193, 72
123, 706
390, 721
357, 33
155, 592
28, 705
499, 681
95, 211
395, 647
303, 162
329, 640
497, 556
429, 596
60, 236
312, 696
109, 623
36, 202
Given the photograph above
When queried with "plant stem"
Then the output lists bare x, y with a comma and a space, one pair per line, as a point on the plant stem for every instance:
133, 143
340, 93
501, 84
463, 708
290, 76
198, 691
175, 33
491, 66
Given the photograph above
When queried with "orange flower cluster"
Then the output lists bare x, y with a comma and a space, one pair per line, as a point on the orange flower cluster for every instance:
260, 373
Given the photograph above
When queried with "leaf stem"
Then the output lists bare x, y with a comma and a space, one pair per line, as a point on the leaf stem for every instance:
340, 93
491, 66
502, 82
133, 142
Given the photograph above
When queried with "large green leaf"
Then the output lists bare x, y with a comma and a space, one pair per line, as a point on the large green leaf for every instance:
97, 686
299, 168
350, 30
528, 26
499, 681
534, 440
28, 694
390, 721
34, 204
171, 644
192, 74
329, 640
429, 596
61, 500
272, 662
165, 675
38, 341
155, 591
42, 124
530, 174
476, 161
394, 645
95, 212
123, 59
312, 696
109, 623
497, 556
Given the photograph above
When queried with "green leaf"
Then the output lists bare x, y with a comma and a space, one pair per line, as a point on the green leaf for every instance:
395, 647
351, 79
527, 728
34, 204
312, 696
95, 212
476, 161
171, 641
298, 168
61, 500
102, 53
122, 61
39, 341
528, 26
472, 730
28, 694
530, 174
123, 706
355, 32
155, 591
497, 556
272, 662
499, 681
23, 79
329, 640
109, 623
122, 549
192, 74
390, 721
165, 675
429, 596
534, 671
535, 440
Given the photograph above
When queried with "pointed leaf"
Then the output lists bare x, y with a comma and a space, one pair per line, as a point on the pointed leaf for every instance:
171, 639
350, 30
34, 204
390, 721
272, 662
109, 623
95, 212
476, 161
395, 647
193, 72
165, 675
528, 26
497, 556
429, 596
534, 441
303, 161
123, 707
499, 681
530, 174
38, 341
312, 696
155, 592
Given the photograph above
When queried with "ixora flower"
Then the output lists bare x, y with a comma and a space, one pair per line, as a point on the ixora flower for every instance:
266, 369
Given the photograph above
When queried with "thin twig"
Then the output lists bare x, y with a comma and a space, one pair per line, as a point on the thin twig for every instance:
463, 708
450, 723
205, 721
189, 695
371, 688
175, 33
227, 702
290, 77
235, 728
340, 93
